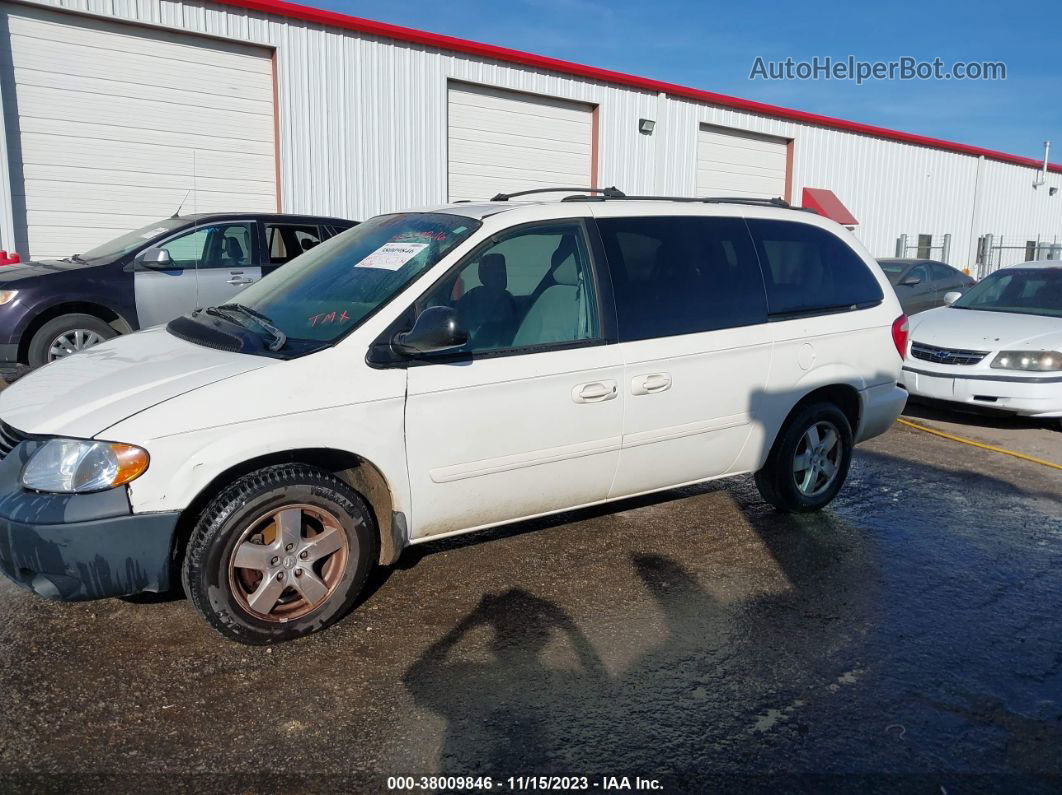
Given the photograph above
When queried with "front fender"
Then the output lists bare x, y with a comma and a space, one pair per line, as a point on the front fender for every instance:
183, 465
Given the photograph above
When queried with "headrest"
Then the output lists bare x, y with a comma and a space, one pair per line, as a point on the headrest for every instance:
492, 271
233, 248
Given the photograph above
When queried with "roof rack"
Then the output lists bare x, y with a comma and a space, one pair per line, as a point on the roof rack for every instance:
775, 202
607, 193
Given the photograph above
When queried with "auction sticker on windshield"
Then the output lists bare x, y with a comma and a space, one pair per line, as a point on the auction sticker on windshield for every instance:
392, 256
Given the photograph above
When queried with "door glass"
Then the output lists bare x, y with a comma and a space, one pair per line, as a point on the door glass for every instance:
682, 275
920, 272
217, 246
943, 273
530, 289
287, 241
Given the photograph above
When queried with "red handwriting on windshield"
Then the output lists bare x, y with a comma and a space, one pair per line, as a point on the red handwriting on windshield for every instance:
324, 318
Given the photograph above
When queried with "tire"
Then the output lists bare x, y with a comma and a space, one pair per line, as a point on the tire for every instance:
796, 491
90, 326
272, 508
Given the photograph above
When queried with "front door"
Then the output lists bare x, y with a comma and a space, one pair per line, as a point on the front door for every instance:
527, 418
229, 263
209, 265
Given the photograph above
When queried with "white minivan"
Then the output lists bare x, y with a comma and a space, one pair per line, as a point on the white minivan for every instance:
436, 372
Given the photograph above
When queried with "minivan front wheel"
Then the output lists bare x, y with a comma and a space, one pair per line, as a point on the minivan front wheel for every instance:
283, 552
810, 459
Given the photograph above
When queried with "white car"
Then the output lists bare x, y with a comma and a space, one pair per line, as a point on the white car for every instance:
432, 373
998, 346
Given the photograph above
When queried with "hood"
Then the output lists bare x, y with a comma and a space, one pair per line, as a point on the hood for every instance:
25, 270
973, 329
86, 393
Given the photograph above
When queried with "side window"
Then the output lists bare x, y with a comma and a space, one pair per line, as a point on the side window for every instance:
920, 272
943, 272
215, 246
682, 275
531, 288
187, 250
808, 269
287, 241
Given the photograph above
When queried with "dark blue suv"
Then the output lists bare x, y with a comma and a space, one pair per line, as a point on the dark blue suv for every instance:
52, 308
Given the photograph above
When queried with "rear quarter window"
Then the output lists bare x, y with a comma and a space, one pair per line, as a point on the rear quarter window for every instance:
808, 270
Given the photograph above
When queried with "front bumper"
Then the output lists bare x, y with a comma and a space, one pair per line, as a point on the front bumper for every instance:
1016, 393
79, 546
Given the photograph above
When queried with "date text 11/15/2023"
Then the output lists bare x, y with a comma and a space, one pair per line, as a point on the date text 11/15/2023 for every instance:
523, 783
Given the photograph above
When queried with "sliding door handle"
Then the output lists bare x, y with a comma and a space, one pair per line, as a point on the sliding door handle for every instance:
650, 384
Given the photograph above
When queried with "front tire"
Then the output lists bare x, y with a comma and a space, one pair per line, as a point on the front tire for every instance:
809, 461
66, 335
282, 552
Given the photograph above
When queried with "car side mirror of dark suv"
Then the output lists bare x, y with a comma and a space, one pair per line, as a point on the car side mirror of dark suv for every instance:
436, 329
910, 281
154, 258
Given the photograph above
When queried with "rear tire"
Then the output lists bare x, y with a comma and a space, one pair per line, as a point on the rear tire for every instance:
67, 333
282, 552
809, 461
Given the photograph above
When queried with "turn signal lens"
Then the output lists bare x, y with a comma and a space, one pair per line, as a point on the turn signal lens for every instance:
901, 331
75, 466
7, 296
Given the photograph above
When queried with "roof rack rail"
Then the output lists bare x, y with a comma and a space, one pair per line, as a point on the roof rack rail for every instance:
608, 193
775, 202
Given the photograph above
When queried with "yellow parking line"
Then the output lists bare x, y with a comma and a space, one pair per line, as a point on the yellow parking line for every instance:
972, 443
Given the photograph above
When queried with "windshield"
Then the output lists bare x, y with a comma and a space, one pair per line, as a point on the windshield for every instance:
133, 240
332, 288
1025, 291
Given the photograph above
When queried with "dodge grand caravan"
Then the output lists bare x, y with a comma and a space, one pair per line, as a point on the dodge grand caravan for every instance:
433, 373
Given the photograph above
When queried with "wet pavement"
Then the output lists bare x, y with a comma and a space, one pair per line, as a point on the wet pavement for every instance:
909, 637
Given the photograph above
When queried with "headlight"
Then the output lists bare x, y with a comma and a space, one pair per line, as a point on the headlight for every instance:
7, 296
71, 466
1041, 361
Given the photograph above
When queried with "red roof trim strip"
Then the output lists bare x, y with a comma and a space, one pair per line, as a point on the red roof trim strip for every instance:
373, 28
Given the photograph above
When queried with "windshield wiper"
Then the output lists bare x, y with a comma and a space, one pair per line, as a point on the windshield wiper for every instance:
79, 258
279, 338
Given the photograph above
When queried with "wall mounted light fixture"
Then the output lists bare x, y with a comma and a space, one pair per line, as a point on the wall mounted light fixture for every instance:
645, 126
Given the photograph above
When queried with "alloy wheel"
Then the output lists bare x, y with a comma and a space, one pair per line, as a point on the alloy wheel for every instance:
288, 562
71, 342
817, 459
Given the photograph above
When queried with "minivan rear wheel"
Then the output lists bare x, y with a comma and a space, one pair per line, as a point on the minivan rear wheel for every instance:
283, 552
809, 461
66, 335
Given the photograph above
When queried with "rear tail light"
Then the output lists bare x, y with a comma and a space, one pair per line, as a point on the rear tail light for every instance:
9, 259
900, 334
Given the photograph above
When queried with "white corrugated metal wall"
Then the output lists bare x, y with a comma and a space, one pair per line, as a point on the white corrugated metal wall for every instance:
363, 130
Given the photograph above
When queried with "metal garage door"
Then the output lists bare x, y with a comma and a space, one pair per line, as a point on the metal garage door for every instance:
504, 141
109, 125
737, 163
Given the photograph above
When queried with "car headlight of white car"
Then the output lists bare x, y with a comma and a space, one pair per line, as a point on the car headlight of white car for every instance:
75, 466
1040, 361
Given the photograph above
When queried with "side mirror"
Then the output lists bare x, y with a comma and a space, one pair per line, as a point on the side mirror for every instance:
154, 258
952, 297
436, 329
910, 281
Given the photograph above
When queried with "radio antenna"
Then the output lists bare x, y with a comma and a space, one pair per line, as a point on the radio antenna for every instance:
181, 205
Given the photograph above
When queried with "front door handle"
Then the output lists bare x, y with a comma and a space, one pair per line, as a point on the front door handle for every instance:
239, 280
650, 384
594, 392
